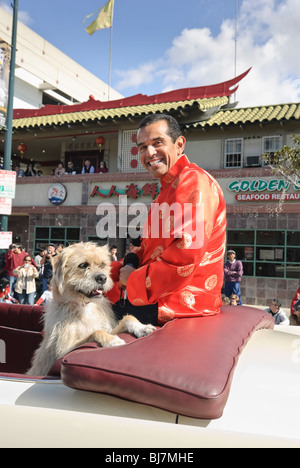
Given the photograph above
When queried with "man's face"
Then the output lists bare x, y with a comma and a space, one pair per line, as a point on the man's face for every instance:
297, 312
158, 153
274, 308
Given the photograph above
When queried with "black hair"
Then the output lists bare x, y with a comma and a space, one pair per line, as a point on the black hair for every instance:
173, 126
277, 303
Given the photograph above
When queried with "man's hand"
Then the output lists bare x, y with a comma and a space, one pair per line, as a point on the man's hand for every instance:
125, 272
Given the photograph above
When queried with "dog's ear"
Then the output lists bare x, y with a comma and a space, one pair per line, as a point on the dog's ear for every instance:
58, 271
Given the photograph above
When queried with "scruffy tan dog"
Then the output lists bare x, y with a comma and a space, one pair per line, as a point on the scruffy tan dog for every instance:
79, 312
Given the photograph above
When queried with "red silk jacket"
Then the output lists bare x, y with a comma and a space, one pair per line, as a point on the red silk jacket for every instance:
183, 246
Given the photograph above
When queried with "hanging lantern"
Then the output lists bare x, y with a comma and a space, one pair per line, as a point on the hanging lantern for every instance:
22, 148
100, 142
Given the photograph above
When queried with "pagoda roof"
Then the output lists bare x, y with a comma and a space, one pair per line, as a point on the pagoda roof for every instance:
251, 115
202, 101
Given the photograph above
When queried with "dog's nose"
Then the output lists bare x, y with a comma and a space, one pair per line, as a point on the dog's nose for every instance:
101, 279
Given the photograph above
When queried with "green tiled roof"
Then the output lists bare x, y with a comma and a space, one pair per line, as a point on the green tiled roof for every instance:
220, 115
260, 114
119, 112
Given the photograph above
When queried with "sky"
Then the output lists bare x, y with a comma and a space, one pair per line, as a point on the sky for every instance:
163, 45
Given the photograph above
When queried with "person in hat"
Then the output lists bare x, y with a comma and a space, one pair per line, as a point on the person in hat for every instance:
233, 272
47, 265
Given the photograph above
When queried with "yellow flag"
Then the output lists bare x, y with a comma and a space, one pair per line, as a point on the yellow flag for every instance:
104, 18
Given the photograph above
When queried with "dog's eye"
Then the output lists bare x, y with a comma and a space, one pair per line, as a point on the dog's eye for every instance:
84, 265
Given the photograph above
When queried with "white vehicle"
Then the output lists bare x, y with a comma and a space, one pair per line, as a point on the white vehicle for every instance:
224, 381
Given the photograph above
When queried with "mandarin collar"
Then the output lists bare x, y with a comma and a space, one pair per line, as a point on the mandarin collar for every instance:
174, 171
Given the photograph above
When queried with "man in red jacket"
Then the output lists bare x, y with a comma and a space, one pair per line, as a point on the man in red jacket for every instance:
14, 258
181, 255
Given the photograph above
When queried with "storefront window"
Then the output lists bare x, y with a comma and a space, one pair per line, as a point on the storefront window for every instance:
62, 235
270, 254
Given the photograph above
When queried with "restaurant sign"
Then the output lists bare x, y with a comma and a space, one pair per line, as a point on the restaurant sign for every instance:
263, 190
131, 191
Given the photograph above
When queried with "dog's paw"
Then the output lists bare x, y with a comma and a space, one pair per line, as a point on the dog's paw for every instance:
139, 330
115, 341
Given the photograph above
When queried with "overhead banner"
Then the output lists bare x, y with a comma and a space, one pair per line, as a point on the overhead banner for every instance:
4, 80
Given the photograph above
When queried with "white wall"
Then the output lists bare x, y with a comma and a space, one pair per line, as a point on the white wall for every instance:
42, 59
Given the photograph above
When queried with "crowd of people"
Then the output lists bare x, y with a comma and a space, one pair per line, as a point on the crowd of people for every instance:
23, 278
27, 280
233, 272
61, 169
191, 283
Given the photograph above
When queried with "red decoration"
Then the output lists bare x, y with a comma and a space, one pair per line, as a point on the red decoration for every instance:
134, 150
100, 141
22, 148
134, 163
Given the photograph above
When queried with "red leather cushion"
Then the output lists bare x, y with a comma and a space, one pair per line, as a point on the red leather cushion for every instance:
21, 317
19, 348
185, 367
20, 330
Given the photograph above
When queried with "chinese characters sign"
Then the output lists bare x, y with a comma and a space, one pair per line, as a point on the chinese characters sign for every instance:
131, 191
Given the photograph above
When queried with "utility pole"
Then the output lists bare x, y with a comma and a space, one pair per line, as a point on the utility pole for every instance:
9, 114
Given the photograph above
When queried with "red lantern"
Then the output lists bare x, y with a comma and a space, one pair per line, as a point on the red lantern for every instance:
100, 141
22, 148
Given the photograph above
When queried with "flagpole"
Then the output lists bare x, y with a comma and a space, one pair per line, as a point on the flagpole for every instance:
235, 41
110, 50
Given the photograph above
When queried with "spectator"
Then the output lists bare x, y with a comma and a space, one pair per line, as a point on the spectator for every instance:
295, 301
60, 170
233, 272
47, 263
71, 169
87, 167
277, 313
5, 295
38, 258
39, 173
113, 253
234, 299
30, 171
19, 171
295, 317
102, 168
59, 249
47, 296
225, 301
14, 258
25, 287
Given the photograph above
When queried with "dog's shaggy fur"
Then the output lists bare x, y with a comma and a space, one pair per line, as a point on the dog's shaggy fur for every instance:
79, 312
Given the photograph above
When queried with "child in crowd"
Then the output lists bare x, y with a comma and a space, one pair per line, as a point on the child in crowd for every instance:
277, 313
225, 301
234, 299
5, 295
295, 317
47, 296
